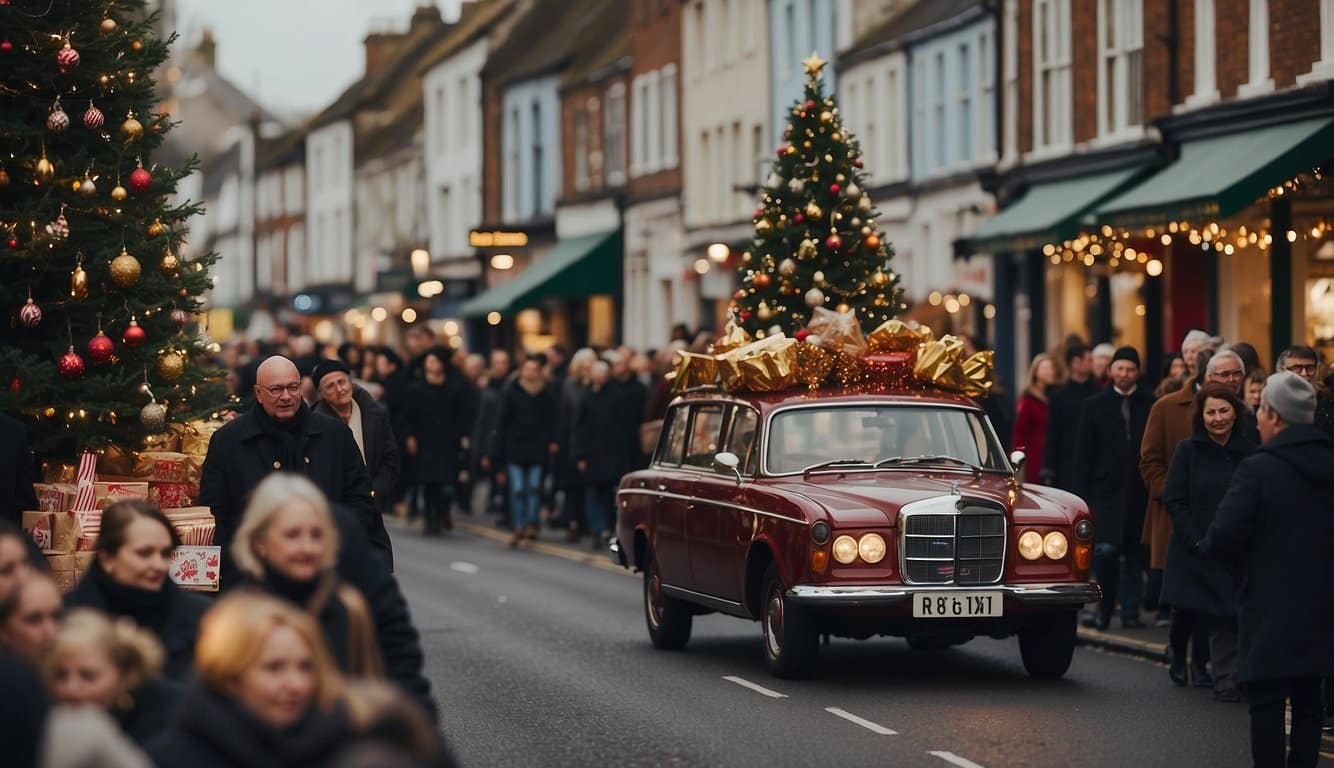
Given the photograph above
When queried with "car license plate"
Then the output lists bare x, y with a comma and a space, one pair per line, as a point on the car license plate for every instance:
957, 605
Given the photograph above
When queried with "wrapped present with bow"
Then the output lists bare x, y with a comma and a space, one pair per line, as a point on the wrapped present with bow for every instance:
897, 336
693, 370
767, 365
942, 364
168, 467
838, 331
734, 337
195, 436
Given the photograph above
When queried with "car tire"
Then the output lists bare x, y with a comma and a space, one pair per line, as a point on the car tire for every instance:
668, 619
791, 640
1047, 644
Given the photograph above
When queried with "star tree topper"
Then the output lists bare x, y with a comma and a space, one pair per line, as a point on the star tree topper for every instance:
814, 64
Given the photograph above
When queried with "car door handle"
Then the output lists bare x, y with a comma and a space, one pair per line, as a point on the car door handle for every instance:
662, 487
643, 483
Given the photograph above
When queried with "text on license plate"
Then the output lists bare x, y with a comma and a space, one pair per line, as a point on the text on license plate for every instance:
957, 605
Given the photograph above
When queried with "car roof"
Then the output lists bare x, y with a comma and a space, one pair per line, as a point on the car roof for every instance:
767, 402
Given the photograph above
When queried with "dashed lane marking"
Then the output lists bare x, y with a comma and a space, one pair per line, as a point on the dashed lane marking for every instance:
463, 567
954, 759
754, 687
867, 724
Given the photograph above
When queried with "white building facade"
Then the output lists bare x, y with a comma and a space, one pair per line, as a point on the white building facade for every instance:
329, 209
452, 97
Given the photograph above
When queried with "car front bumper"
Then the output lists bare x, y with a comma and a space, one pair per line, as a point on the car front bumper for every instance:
616, 553
1063, 595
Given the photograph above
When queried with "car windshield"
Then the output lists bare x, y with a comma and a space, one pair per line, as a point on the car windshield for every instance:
870, 434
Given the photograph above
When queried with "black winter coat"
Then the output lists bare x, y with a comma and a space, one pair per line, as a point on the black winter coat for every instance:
153, 711
634, 404
526, 426
23, 711
16, 494
437, 418
332, 618
377, 435
171, 613
1063, 407
1274, 531
1197, 479
597, 422
1107, 465
485, 421
572, 393
214, 731
243, 452
399, 641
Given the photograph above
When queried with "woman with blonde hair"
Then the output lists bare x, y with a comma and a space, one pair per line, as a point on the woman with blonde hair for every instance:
268, 692
115, 665
1030, 422
287, 545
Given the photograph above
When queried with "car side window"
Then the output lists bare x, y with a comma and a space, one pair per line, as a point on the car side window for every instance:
741, 439
673, 444
705, 433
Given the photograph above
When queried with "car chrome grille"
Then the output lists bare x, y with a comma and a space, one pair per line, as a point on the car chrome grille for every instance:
967, 547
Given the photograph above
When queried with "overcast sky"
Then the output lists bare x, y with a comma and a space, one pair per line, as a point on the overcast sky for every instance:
293, 55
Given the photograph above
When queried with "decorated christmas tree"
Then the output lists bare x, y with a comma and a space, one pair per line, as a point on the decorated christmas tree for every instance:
816, 242
101, 345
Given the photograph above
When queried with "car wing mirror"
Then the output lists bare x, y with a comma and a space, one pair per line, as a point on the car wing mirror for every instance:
1017, 460
728, 461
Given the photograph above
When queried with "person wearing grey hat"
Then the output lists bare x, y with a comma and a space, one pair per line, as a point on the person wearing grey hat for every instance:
1273, 531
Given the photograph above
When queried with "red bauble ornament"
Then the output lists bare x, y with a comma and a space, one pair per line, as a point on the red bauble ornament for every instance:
93, 118
857, 163
781, 149
100, 348
745, 315
140, 179
30, 314
810, 104
833, 242
6, 46
762, 280
71, 365
834, 189
739, 295
134, 335
798, 217
67, 58
15, 385
802, 334
13, 242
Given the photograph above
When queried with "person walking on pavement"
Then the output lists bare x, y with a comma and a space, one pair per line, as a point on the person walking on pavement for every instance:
1201, 469
598, 460
283, 433
484, 433
1111, 426
568, 477
1030, 421
633, 397
435, 423
525, 437
1273, 532
370, 425
1063, 407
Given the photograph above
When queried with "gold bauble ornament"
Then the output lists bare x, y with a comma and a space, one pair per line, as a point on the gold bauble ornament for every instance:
108, 26
790, 151
78, 283
763, 312
156, 228
763, 227
864, 204
44, 170
131, 130
826, 117
104, 80
807, 249
879, 279
813, 210
852, 191
836, 136
843, 308
815, 298
805, 145
125, 269
119, 193
787, 267
170, 366
818, 276
170, 266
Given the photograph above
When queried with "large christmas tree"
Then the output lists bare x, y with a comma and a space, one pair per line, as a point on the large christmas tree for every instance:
100, 306
816, 242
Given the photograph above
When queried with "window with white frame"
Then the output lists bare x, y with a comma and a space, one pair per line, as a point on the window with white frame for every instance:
613, 135
789, 37
1258, 58
581, 175
666, 132
512, 165
762, 162
965, 102
1121, 65
938, 109
539, 163
464, 113
652, 122
1051, 74
986, 75
638, 126
1324, 68
704, 181
1206, 82
890, 147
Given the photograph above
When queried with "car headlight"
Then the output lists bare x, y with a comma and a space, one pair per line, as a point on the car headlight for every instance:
1030, 545
1054, 545
1084, 529
845, 549
872, 548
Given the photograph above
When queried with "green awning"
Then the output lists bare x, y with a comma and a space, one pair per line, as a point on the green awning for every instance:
574, 269
1219, 176
1048, 213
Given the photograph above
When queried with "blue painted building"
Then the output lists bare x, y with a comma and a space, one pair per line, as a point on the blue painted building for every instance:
531, 149
797, 27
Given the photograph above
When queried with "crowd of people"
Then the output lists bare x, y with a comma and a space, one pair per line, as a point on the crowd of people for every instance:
1210, 496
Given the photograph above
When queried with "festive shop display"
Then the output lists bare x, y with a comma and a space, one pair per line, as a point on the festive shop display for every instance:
94, 273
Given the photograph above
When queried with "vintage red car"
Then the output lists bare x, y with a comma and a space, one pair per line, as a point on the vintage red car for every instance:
852, 514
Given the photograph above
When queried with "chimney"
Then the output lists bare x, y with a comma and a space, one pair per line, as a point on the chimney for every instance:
427, 14
379, 49
205, 52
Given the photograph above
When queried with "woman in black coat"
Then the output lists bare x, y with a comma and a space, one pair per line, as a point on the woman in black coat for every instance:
598, 458
525, 438
435, 425
129, 578
1199, 476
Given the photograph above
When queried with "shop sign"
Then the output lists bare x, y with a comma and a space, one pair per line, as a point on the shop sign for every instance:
478, 239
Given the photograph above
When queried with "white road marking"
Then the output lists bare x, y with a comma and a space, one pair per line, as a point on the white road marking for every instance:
463, 567
954, 759
867, 724
756, 688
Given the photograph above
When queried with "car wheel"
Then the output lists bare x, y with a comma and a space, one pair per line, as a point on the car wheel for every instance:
1047, 644
790, 637
668, 619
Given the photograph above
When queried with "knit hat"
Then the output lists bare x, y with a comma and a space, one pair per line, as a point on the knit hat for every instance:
327, 366
1126, 353
1291, 397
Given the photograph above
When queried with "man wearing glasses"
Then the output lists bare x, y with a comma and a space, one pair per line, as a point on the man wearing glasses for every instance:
1303, 361
281, 434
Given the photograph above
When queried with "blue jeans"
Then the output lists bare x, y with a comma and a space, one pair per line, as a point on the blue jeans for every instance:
599, 508
525, 481
1118, 578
